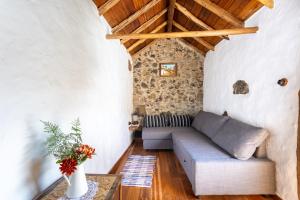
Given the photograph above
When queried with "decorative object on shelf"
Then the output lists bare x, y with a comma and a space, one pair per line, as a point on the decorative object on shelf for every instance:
240, 87
141, 110
135, 117
283, 82
70, 154
168, 69
134, 126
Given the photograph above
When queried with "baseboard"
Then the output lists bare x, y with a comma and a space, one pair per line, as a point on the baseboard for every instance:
275, 197
114, 168
272, 197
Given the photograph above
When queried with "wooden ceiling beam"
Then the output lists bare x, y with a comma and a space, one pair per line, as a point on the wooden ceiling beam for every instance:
199, 40
180, 39
171, 14
134, 16
268, 3
147, 24
134, 45
234, 31
107, 6
214, 8
195, 19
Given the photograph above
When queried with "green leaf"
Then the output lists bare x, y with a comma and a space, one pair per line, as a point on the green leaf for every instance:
62, 145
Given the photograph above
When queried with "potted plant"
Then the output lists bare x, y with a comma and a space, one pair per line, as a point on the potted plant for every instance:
70, 154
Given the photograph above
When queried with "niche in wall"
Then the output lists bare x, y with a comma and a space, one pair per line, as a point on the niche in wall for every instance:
240, 87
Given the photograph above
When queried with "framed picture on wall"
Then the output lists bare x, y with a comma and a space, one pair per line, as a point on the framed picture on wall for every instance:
168, 69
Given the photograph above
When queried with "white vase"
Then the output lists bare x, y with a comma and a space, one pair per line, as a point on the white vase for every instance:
77, 185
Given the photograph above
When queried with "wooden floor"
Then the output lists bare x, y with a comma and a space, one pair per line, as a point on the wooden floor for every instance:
170, 181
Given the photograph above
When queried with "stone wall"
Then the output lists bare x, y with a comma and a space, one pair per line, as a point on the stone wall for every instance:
181, 94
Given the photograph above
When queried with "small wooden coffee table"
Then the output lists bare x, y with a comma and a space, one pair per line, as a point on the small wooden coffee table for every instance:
109, 188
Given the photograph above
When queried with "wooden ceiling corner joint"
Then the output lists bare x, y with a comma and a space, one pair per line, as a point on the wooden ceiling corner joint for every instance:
268, 3
134, 16
134, 45
171, 10
107, 6
234, 31
199, 40
222, 13
147, 24
195, 19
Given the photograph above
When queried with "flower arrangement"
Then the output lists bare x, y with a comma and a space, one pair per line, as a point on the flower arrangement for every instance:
67, 148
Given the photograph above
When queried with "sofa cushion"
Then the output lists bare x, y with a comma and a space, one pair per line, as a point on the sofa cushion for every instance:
158, 144
155, 121
198, 146
208, 123
180, 121
157, 133
240, 139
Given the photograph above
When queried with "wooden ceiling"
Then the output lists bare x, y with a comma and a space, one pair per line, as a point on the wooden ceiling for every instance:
201, 23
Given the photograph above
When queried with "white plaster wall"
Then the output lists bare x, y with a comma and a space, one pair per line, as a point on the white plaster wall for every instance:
261, 59
55, 64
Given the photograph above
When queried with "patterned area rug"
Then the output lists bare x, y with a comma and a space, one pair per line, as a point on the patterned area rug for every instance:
138, 171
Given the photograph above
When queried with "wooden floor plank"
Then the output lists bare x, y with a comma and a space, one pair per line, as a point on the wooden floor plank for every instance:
170, 181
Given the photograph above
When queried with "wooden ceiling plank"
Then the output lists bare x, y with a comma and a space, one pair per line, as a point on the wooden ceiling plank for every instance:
134, 16
134, 45
268, 3
147, 24
171, 10
234, 31
107, 6
195, 19
199, 40
222, 13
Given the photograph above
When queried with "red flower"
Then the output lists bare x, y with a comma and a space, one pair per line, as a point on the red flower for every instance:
68, 166
86, 149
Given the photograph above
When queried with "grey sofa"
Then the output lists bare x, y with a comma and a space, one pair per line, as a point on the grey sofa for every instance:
220, 155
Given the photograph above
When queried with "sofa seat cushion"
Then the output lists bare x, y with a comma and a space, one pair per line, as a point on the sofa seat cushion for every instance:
198, 146
157, 133
240, 139
158, 144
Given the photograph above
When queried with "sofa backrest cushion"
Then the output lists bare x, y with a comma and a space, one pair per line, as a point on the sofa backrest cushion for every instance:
155, 121
208, 123
180, 121
240, 139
